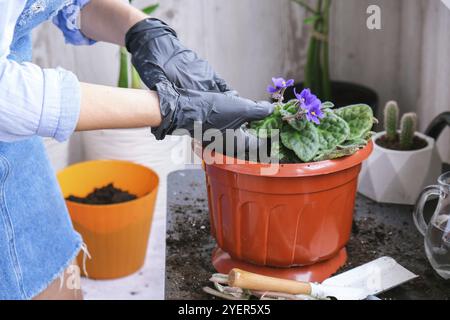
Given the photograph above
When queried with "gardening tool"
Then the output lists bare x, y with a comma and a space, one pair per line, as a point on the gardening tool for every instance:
360, 283
437, 232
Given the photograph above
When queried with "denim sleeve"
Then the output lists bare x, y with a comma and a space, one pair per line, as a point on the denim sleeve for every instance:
67, 21
35, 101
60, 108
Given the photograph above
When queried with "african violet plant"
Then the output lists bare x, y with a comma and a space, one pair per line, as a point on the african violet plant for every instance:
310, 130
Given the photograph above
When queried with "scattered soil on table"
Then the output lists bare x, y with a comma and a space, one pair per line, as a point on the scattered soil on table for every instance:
418, 143
103, 196
378, 230
371, 240
189, 247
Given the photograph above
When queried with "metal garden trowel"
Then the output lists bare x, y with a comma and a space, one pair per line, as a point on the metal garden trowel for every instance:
357, 284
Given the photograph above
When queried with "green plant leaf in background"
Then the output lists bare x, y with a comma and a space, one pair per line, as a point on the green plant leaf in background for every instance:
150, 9
124, 69
311, 19
304, 143
359, 118
333, 131
317, 74
136, 82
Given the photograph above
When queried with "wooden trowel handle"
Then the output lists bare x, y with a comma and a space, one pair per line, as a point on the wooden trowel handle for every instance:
252, 281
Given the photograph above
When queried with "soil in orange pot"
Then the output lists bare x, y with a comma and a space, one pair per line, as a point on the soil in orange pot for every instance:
103, 196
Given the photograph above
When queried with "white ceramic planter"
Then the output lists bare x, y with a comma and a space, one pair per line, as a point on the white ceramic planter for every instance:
136, 145
391, 176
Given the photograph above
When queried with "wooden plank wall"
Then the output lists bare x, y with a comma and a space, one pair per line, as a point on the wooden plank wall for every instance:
407, 60
249, 41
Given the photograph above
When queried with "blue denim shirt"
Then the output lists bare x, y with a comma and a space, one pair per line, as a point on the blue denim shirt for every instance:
35, 101
37, 239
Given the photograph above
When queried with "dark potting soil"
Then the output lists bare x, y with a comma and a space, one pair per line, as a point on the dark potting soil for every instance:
418, 143
189, 246
379, 230
103, 196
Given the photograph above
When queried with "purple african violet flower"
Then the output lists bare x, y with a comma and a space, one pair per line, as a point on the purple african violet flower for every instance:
311, 104
314, 113
306, 97
279, 84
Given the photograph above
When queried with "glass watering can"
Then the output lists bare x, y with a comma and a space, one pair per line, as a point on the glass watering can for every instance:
437, 232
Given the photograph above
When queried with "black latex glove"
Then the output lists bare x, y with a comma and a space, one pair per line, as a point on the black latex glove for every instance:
152, 43
183, 108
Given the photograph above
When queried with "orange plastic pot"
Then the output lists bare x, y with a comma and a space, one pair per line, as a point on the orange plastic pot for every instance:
300, 216
116, 235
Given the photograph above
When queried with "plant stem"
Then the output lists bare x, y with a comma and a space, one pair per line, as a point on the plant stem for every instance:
309, 67
318, 67
326, 83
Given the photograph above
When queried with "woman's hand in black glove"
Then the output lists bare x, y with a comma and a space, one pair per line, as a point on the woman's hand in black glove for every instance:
184, 108
152, 43
189, 89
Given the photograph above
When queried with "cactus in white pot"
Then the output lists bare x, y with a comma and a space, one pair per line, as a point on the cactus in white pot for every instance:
407, 131
404, 161
391, 114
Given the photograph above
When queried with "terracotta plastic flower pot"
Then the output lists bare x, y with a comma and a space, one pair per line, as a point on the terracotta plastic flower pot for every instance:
296, 218
116, 235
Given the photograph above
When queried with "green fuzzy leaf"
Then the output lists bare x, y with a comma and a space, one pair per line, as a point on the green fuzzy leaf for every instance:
264, 128
287, 110
298, 125
336, 154
327, 105
283, 154
360, 142
359, 118
333, 131
304, 143
290, 107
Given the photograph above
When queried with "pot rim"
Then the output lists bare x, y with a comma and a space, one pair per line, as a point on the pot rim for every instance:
113, 205
290, 170
430, 141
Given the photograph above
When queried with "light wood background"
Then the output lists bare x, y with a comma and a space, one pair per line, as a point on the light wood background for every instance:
249, 41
